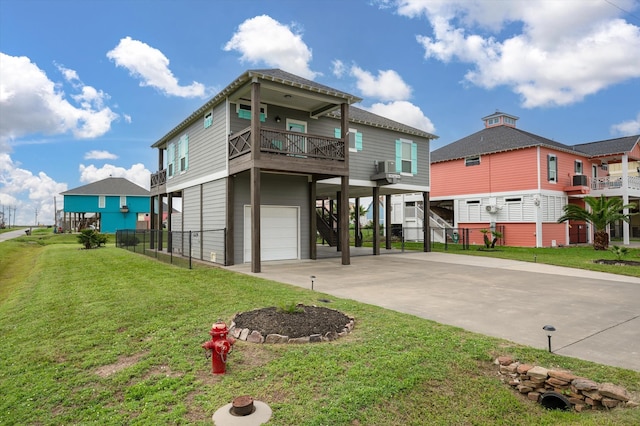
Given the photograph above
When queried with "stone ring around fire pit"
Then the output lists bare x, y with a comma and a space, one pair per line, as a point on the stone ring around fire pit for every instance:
307, 324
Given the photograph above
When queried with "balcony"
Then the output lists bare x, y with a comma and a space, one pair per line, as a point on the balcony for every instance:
158, 178
615, 185
289, 151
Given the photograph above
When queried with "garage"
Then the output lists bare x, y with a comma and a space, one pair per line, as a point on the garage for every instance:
279, 233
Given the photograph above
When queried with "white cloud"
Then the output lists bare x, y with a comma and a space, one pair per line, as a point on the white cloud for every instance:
387, 86
137, 173
403, 112
31, 103
40, 190
262, 39
338, 68
556, 53
627, 128
99, 155
151, 66
127, 118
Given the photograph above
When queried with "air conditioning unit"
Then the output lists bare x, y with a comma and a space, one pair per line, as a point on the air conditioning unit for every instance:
491, 208
387, 166
580, 180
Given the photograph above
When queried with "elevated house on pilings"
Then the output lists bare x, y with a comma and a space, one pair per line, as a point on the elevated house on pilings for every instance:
289, 146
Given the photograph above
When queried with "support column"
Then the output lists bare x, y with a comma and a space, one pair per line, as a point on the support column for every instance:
152, 222
426, 222
255, 220
387, 221
229, 257
160, 211
376, 221
255, 178
356, 223
169, 228
344, 220
344, 186
313, 225
625, 198
338, 217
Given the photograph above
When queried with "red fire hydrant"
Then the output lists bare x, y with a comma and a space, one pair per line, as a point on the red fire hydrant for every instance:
219, 347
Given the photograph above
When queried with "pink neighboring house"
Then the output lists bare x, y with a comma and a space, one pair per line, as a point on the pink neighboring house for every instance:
518, 181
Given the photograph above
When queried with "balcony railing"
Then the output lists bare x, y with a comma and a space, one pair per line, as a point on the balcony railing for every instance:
293, 144
614, 182
158, 178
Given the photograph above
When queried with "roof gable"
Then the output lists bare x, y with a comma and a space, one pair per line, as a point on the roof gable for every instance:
110, 186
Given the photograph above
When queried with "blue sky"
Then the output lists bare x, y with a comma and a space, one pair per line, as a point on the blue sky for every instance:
87, 86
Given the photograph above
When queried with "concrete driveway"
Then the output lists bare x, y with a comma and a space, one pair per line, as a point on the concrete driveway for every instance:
596, 315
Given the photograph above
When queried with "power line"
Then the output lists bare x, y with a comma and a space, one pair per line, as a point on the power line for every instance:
624, 10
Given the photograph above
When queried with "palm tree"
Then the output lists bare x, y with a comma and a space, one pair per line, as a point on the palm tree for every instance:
602, 212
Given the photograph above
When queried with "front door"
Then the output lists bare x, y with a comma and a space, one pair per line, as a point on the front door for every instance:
577, 232
296, 144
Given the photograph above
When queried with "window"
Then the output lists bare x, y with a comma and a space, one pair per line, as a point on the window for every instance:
493, 120
102, 201
508, 120
183, 152
552, 168
123, 200
406, 157
244, 111
208, 119
513, 200
577, 167
355, 139
473, 201
171, 159
472, 161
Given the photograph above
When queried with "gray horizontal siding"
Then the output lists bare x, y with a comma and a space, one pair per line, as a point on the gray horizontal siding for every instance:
276, 190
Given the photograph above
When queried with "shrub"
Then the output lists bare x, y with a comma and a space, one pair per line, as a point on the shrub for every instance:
90, 238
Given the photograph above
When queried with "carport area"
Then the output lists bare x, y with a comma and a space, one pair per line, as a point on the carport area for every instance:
596, 315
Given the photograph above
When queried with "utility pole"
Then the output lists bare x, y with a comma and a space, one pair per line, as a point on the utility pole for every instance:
36, 224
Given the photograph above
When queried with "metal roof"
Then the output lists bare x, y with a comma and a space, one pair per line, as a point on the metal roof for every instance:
110, 186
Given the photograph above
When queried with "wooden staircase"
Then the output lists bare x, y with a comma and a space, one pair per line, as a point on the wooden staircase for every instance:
324, 219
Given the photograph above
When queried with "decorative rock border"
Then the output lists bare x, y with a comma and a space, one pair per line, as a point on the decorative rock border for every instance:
582, 394
254, 336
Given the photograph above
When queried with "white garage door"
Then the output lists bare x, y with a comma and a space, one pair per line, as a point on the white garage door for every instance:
279, 233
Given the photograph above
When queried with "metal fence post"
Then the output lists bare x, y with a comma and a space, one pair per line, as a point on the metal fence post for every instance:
190, 266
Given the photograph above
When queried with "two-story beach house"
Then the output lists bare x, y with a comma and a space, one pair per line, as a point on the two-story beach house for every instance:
259, 160
505, 177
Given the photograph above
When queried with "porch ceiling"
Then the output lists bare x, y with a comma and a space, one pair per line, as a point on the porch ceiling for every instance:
329, 190
290, 97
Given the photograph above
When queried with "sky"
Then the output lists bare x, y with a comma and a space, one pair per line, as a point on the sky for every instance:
86, 87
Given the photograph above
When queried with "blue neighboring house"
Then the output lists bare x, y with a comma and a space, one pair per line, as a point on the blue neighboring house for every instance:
107, 205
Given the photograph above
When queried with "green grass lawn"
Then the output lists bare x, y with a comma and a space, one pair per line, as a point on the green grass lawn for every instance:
110, 337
